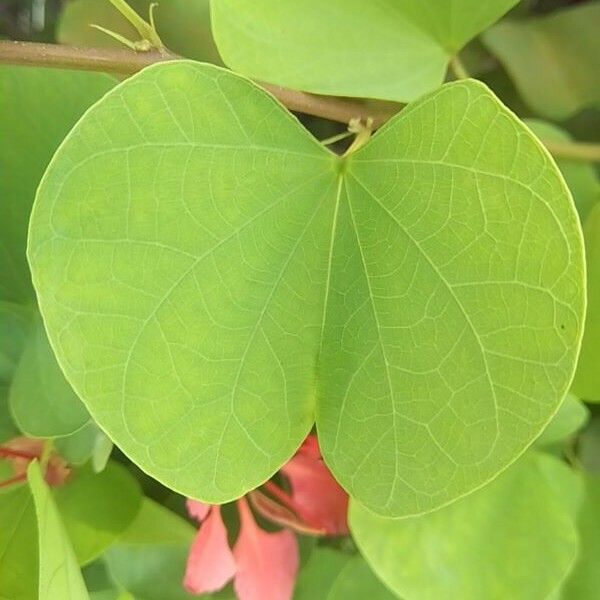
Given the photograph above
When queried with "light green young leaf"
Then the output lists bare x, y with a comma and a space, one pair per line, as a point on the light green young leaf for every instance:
571, 416
582, 178
587, 377
59, 574
96, 508
37, 109
390, 49
224, 280
78, 447
42, 402
584, 581
554, 60
183, 25
516, 538
18, 545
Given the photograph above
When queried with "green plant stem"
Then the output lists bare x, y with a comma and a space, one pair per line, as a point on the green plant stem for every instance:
126, 62
573, 150
458, 68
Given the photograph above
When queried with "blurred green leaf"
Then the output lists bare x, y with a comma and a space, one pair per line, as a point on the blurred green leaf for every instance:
37, 109
318, 575
97, 508
554, 60
18, 545
584, 582
59, 574
357, 581
571, 416
78, 447
390, 49
149, 560
42, 402
15, 323
587, 377
515, 538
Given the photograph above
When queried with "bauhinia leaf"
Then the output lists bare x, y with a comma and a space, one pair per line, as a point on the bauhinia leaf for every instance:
225, 280
59, 575
571, 416
43, 403
553, 60
390, 49
519, 526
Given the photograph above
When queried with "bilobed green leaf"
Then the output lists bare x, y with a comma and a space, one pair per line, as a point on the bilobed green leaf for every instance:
226, 279
183, 25
516, 538
96, 508
389, 49
587, 377
37, 109
43, 403
59, 575
582, 178
18, 545
554, 60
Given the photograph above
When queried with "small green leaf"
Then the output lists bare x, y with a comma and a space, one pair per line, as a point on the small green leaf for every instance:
587, 377
554, 60
59, 574
18, 545
390, 49
37, 109
582, 178
183, 26
96, 508
43, 403
225, 281
571, 416
516, 538
78, 447
103, 448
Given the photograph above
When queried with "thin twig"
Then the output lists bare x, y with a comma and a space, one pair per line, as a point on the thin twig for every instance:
127, 62
122, 61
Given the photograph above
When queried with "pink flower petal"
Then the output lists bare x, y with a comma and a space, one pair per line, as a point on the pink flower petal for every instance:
318, 498
197, 510
210, 563
267, 563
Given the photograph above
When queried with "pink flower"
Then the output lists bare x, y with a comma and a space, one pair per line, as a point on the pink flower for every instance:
263, 565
